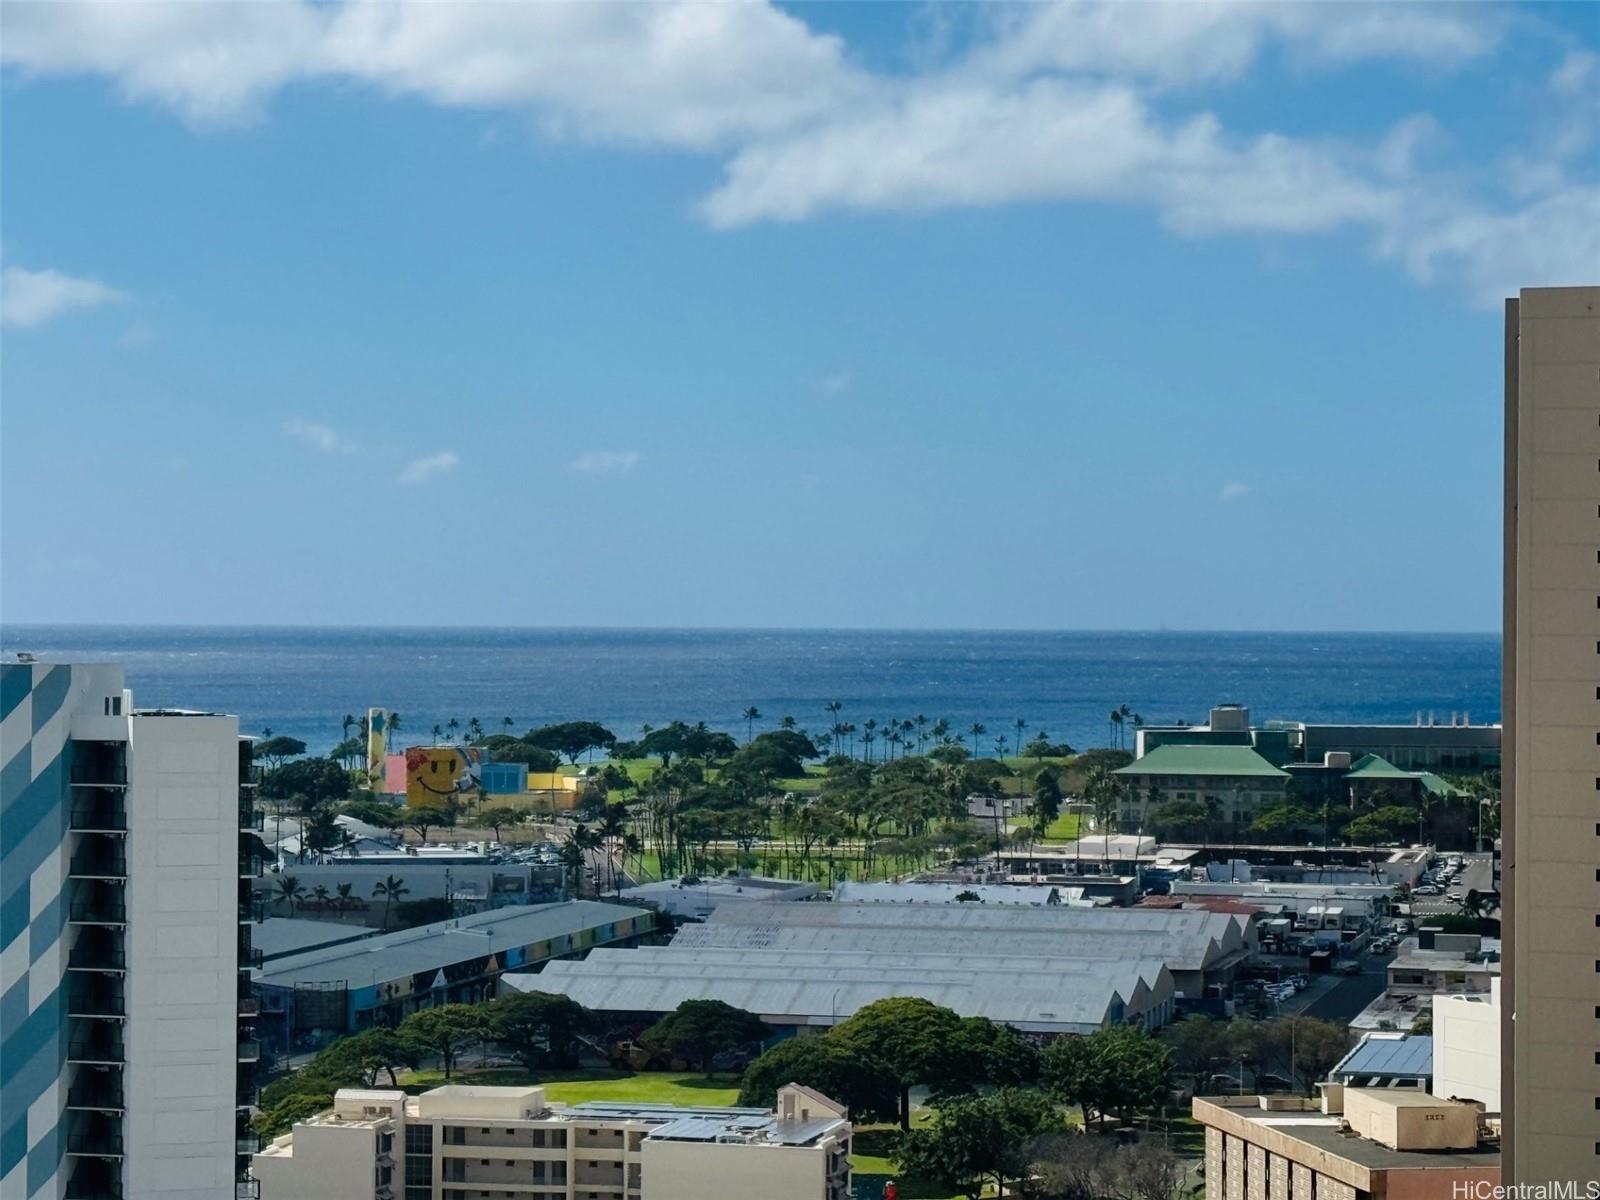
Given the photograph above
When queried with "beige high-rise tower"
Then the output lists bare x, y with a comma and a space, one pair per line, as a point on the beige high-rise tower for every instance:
1551, 757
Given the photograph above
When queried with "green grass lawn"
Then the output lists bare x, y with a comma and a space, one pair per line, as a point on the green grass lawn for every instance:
872, 1165
1063, 829
600, 1083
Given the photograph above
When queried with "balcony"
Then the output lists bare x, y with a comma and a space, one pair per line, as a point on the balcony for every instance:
104, 771
96, 1002
98, 912
105, 816
249, 1006
249, 1051
95, 1143
246, 1094
98, 866
97, 958
246, 1189
94, 1188
251, 957
103, 1097
96, 1050
246, 1143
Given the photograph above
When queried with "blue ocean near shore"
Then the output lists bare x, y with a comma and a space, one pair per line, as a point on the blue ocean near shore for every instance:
302, 681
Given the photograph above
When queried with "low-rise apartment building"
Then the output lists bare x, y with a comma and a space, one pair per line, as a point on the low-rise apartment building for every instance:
1354, 1144
452, 1143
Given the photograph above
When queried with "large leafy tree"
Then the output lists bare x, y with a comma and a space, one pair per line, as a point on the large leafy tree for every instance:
317, 780
973, 1139
835, 1070
541, 1028
505, 748
1389, 823
699, 1030
446, 1030
571, 738
1117, 1071
274, 750
911, 1038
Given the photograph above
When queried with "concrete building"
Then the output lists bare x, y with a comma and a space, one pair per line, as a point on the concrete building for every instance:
1466, 1046
1551, 708
1235, 782
1454, 964
457, 1142
465, 877
1431, 742
125, 840
1354, 1144
686, 901
1388, 1060
379, 980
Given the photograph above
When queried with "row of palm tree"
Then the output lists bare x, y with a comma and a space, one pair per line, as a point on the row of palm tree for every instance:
292, 894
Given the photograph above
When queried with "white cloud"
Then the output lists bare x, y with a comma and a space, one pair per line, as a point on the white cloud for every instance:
606, 462
137, 334
32, 298
322, 438
1074, 101
1231, 492
834, 383
432, 466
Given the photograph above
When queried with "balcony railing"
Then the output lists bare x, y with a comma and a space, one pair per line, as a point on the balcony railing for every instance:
99, 866
251, 957
97, 958
96, 1004
249, 1050
246, 1094
246, 1143
104, 1096
95, 1050
98, 912
249, 1006
100, 1144
99, 774
94, 1189
246, 1189
109, 817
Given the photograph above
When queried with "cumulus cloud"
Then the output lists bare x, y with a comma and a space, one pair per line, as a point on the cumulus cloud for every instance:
1231, 492
605, 462
32, 298
1073, 101
421, 470
322, 438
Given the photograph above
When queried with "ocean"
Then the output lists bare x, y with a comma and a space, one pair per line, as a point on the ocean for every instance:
303, 681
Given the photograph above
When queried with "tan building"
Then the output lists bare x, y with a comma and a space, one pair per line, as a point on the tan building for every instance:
1551, 761
507, 1143
1354, 1144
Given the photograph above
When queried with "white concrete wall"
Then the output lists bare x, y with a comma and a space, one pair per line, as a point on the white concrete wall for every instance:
1466, 1048
183, 839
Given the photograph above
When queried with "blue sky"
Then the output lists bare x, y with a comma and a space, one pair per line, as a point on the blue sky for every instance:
831, 315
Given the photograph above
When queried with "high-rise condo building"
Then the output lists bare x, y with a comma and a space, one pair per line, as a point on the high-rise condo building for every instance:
1550, 1051
125, 839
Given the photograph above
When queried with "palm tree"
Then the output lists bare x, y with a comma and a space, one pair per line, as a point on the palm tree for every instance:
751, 716
474, 731
321, 894
344, 896
1019, 725
1116, 724
787, 722
452, 725
632, 847
391, 889
394, 726
346, 725
613, 823
977, 731
291, 891
869, 735
919, 721
506, 723
438, 734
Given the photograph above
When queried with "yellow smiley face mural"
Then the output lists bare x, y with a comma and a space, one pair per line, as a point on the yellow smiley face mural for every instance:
438, 775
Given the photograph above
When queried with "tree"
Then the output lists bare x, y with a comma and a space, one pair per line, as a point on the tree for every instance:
372, 812
319, 780
369, 1052
1046, 798
751, 715
1117, 1071
446, 1030
973, 1139
321, 832
699, 1030
504, 748
1196, 1046
497, 815
542, 1029
391, 889
1308, 1047
273, 750
423, 817
910, 1037
571, 738
1178, 821
1390, 823
994, 1053
290, 891
832, 1068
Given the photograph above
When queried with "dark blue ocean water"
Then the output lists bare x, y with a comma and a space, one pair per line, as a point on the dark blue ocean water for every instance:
303, 681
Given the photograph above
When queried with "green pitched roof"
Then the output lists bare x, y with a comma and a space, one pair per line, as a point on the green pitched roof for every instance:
1372, 766
1202, 760
1438, 786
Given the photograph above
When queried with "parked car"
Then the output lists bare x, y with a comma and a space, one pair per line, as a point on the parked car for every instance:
1347, 966
1267, 1081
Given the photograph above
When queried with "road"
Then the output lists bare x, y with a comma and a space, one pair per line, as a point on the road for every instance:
1477, 874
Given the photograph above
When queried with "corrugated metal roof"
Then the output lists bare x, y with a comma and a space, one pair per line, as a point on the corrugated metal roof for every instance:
393, 956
